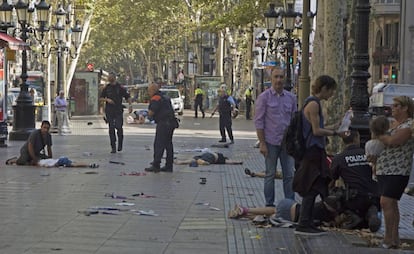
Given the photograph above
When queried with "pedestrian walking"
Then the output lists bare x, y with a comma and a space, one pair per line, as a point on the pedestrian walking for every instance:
274, 109
249, 100
225, 106
312, 177
198, 101
160, 109
112, 94
61, 111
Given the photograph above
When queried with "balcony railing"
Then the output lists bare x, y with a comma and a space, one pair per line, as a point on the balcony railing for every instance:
384, 55
385, 7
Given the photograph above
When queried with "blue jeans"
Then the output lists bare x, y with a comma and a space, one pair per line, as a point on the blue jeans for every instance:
276, 152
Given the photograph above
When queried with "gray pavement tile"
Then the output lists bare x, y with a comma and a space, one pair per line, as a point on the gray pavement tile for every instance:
40, 212
191, 247
132, 247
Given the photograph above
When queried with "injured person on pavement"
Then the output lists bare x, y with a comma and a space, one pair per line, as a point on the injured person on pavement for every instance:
208, 158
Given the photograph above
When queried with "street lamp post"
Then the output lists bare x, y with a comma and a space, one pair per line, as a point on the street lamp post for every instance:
61, 49
262, 44
273, 23
59, 33
24, 110
360, 75
289, 17
304, 78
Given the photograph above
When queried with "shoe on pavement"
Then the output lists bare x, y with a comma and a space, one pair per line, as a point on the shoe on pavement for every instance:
9, 161
204, 115
232, 141
237, 212
119, 148
374, 222
113, 150
309, 231
222, 141
165, 169
249, 172
352, 220
152, 169
94, 165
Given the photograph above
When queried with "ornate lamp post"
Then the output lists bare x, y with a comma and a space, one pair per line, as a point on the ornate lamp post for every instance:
360, 75
62, 49
262, 44
304, 78
24, 115
273, 22
5, 16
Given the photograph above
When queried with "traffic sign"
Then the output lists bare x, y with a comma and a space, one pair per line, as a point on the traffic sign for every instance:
386, 70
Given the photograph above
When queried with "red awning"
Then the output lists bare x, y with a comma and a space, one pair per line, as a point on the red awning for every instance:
13, 43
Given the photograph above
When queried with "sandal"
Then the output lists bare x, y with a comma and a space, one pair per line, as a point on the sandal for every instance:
237, 212
248, 172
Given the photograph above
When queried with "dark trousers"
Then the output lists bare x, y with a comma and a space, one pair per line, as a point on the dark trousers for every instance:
163, 141
248, 108
306, 209
115, 121
360, 204
198, 104
225, 124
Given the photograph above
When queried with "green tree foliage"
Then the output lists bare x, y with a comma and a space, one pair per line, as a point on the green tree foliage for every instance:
134, 36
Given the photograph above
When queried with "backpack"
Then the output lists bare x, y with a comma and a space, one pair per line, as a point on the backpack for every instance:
293, 141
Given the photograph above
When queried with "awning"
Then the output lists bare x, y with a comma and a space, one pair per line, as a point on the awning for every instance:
13, 43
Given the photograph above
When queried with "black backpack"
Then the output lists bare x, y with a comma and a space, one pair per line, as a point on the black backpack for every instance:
293, 140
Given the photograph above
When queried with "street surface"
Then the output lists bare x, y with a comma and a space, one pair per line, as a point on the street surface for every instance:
48, 210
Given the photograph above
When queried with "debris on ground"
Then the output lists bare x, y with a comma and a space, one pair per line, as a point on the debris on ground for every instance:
148, 213
133, 173
142, 195
125, 204
117, 162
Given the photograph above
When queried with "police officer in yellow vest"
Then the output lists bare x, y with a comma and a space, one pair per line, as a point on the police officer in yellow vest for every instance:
249, 101
198, 101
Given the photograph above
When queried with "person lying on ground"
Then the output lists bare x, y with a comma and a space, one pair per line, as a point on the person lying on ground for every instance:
262, 174
208, 158
34, 148
60, 162
329, 213
288, 209
140, 117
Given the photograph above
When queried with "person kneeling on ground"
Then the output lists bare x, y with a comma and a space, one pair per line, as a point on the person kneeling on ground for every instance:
34, 149
208, 158
361, 197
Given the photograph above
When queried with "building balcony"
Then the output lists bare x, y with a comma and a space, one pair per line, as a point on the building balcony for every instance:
385, 7
384, 55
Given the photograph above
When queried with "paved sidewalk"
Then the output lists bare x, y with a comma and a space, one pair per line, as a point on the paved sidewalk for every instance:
40, 208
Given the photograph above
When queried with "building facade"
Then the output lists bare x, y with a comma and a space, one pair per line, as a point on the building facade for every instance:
385, 41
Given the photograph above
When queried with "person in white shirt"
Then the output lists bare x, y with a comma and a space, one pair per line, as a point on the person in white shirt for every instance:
61, 111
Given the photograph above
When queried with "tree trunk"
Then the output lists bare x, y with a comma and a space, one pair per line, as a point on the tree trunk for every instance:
334, 64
